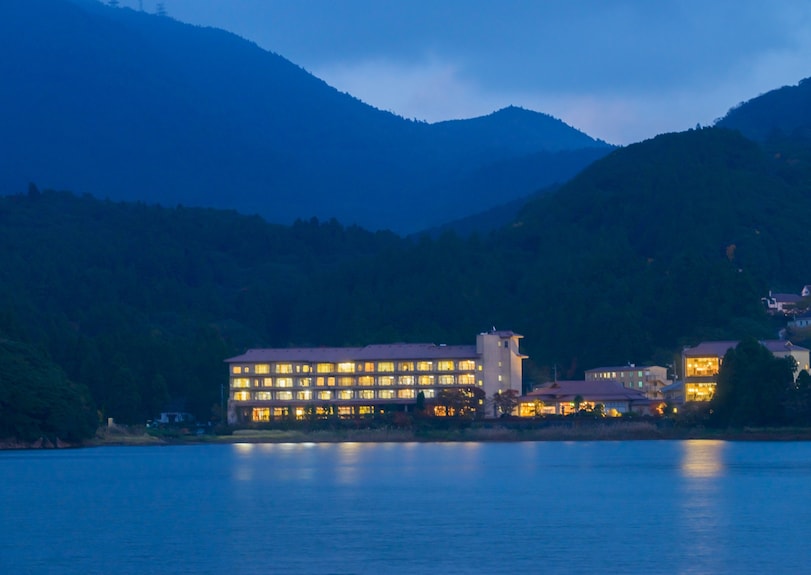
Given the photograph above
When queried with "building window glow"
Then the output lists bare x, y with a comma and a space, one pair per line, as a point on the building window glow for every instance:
467, 379
345, 394
366, 380
467, 365
284, 368
324, 368
386, 394
304, 395
446, 380
405, 380
346, 381
429, 393
260, 414
236, 369
242, 396
425, 365
346, 367
385, 380
305, 381
324, 395
240, 382
261, 368
445, 365
406, 366
284, 395
366, 394
426, 380
405, 393
369, 366
284, 382
385, 366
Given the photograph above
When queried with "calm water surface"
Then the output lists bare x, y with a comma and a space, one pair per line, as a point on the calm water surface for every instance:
551, 507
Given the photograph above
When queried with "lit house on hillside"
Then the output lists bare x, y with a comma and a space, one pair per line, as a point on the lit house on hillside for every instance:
268, 384
700, 364
647, 379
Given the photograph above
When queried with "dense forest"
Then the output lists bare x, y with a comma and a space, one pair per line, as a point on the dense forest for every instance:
658, 245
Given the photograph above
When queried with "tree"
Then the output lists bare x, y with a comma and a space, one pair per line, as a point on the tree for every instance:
752, 386
460, 402
506, 401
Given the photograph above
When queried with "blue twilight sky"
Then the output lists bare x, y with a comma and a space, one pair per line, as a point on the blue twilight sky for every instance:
620, 70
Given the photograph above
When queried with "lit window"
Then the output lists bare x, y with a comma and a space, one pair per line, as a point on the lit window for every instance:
406, 366
467, 379
429, 393
263, 396
345, 410
445, 379
330, 381
445, 365
242, 396
260, 414
306, 368
366, 380
345, 394
261, 368
284, 368
386, 394
284, 382
267, 381
425, 365
324, 368
365, 410
306, 395
369, 366
467, 365
426, 380
319, 381
284, 395
385, 380
405, 393
305, 381
385, 366
366, 394
236, 369
324, 395
346, 367
240, 382
405, 380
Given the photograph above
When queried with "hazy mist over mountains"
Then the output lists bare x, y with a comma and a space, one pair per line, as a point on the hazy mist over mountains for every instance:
132, 106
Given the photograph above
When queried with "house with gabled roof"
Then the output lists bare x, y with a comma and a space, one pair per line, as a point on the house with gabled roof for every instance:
566, 397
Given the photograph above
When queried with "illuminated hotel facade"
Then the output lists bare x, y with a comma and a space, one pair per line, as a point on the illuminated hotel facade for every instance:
700, 364
281, 383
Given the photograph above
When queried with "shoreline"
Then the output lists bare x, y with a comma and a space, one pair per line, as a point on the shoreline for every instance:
629, 431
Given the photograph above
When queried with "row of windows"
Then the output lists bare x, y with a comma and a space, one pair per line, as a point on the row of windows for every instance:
354, 381
329, 395
353, 367
702, 366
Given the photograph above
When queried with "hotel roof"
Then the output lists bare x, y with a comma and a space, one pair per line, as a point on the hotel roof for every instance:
596, 390
394, 351
720, 348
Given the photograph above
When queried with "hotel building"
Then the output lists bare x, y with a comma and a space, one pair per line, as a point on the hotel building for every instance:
279, 383
647, 379
700, 364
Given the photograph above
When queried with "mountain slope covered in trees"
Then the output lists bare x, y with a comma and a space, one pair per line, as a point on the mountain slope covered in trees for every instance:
656, 246
131, 106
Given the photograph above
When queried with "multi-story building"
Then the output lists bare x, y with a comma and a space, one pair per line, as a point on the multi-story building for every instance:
700, 364
268, 384
647, 379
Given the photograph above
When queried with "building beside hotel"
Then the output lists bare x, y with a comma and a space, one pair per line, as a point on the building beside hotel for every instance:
647, 379
700, 364
566, 397
278, 383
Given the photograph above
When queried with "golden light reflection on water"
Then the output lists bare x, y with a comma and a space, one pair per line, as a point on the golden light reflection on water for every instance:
703, 458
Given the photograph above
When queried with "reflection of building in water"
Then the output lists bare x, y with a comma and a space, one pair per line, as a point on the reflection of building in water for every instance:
703, 458
700, 365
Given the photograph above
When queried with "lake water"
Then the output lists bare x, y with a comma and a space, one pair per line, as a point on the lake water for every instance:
548, 507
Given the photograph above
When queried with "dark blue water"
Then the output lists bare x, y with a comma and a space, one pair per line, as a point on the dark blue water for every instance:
551, 507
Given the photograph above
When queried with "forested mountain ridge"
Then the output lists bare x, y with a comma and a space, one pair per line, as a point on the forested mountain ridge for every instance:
656, 246
132, 106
